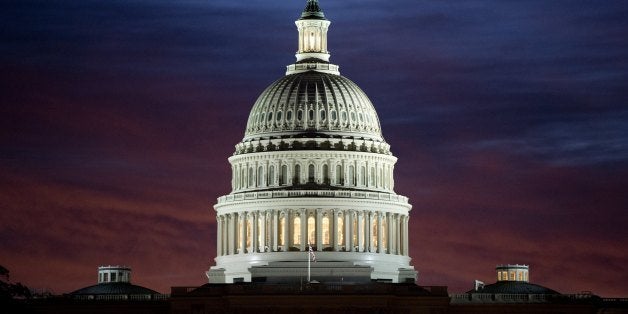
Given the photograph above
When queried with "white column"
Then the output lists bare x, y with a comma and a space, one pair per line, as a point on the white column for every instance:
319, 231
405, 235
380, 234
335, 230
303, 231
219, 235
361, 232
288, 236
274, 216
348, 214
254, 231
230, 234
242, 244
397, 235
369, 229
389, 232
262, 243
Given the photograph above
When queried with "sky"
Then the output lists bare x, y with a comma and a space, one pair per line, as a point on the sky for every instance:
509, 119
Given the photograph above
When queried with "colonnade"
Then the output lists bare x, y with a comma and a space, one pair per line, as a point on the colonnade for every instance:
339, 172
281, 230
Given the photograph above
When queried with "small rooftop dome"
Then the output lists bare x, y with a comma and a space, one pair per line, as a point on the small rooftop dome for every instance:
113, 280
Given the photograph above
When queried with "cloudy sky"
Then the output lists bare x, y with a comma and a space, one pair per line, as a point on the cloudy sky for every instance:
509, 119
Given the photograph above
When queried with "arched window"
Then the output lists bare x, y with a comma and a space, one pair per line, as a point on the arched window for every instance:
362, 175
311, 230
271, 175
260, 176
310, 174
326, 233
251, 177
372, 178
325, 174
297, 174
339, 175
283, 175
296, 231
351, 180
243, 178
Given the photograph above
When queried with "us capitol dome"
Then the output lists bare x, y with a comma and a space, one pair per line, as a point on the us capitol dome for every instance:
312, 181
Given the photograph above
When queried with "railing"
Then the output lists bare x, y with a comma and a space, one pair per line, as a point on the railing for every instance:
319, 288
121, 297
518, 298
312, 193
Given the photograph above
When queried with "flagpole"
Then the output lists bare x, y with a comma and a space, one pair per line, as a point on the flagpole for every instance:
308, 262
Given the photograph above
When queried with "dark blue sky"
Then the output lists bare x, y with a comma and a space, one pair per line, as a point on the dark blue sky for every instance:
509, 118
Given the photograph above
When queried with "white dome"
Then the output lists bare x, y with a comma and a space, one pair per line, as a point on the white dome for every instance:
313, 102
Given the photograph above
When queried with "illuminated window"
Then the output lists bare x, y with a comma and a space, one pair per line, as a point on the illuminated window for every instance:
249, 232
374, 231
297, 231
282, 230
361, 231
499, 276
354, 235
311, 230
511, 275
384, 230
520, 275
340, 228
260, 235
325, 226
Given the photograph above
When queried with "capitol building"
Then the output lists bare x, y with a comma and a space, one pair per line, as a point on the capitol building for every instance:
313, 178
